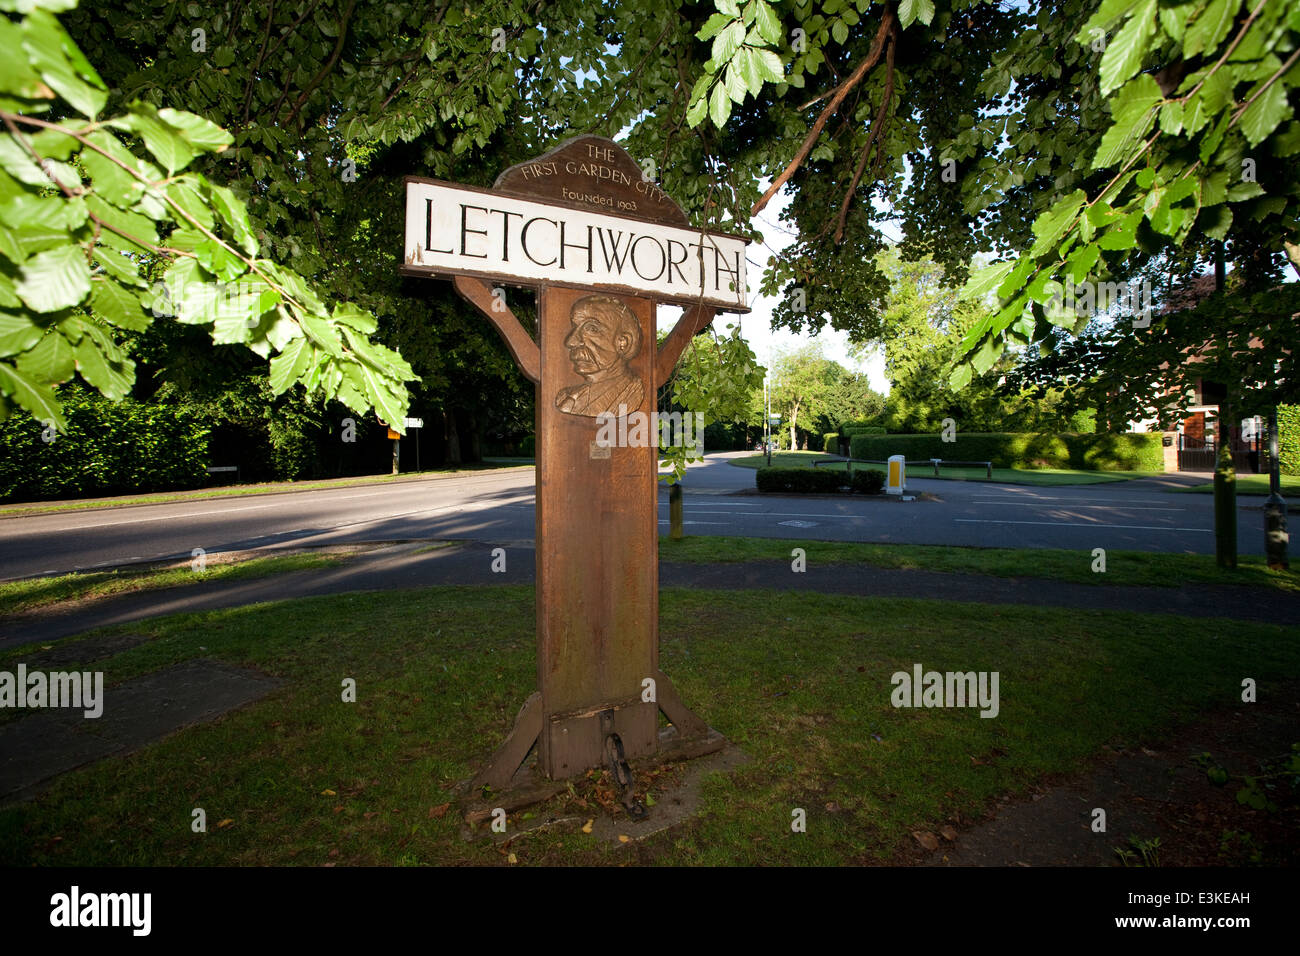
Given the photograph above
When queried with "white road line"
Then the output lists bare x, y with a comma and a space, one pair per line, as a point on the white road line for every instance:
1005, 500
1035, 504
1065, 524
782, 514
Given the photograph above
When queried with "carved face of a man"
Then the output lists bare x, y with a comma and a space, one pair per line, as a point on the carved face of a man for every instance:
605, 335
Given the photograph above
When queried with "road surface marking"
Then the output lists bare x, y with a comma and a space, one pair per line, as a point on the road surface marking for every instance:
1036, 504
1066, 524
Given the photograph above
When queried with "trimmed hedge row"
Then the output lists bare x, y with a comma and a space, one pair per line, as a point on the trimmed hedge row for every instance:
831, 443
1288, 439
869, 481
1103, 452
852, 430
109, 448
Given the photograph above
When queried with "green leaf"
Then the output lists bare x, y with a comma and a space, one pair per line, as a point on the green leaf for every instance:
1133, 112
112, 375
1263, 115
219, 260
61, 64
734, 81
55, 279
1125, 53
49, 361
698, 110
186, 196
355, 317
1052, 225
1081, 262
769, 26
321, 333
719, 106
288, 366
769, 66
726, 43
840, 31
1123, 234
391, 408
17, 333
117, 306
34, 396
205, 135
19, 163
234, 214
16, 75
986, 279
1207, 31
110, 180
910, 11
166, 143
960, 377
712, 25
143, 236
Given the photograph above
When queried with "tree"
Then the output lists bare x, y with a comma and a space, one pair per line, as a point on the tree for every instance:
803, 383
1177, 107
851, 399
716, 375
86, 218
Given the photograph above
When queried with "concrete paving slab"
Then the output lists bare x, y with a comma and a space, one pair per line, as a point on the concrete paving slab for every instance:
36, 749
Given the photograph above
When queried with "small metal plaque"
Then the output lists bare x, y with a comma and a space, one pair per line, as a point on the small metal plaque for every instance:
599, 451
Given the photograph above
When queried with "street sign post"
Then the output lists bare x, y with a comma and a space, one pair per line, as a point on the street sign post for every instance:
603, 247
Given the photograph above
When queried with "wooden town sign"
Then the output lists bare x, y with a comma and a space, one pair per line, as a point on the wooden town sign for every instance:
602, 246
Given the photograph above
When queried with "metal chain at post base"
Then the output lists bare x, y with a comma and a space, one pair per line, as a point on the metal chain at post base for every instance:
1275, 533
1225, 505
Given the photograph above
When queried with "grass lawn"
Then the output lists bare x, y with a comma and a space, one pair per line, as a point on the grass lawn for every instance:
1144, 568
239, 491
1011, 476
1253, 485
29, 594
301, 778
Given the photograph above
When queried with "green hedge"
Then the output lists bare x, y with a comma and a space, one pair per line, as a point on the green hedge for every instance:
852, 430
868, 481
1288, 439
806, 480
818, 480
1104, 452
109, 448
831, 443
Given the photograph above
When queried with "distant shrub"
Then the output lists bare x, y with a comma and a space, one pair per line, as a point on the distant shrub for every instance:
1101, 452
800, 480
109, 448
1288, 439
831, 443
851, 430
870, 481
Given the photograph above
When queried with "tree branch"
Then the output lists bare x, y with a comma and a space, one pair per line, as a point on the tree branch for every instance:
329, 64
876, 128
887, 26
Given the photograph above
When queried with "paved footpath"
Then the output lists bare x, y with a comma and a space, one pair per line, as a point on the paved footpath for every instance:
404, 566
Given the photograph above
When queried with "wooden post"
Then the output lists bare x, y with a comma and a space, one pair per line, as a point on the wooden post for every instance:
597, 369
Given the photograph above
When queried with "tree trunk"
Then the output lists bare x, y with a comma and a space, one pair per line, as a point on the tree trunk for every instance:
453, 437
1225, 473
473, 438
1225, 493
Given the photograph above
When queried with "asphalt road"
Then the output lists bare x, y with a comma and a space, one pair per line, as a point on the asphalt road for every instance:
498, 507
